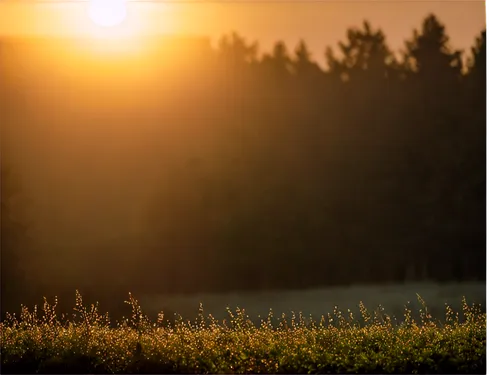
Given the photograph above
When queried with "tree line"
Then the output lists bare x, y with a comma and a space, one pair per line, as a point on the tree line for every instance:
372, 170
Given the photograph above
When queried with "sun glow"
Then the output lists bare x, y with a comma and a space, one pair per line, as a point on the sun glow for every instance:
107, 13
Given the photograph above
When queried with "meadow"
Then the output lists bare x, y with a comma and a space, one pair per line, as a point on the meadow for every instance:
42, 341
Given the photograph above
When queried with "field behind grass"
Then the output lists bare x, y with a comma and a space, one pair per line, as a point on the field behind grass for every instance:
320, 301
360, 341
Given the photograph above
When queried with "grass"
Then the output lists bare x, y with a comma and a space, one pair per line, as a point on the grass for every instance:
86, 342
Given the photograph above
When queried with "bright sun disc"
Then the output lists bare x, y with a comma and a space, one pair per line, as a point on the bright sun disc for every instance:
107, 13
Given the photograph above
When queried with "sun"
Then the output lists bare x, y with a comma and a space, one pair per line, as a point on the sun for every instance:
107, 13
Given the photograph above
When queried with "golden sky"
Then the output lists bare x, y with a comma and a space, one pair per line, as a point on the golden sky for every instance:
320, 23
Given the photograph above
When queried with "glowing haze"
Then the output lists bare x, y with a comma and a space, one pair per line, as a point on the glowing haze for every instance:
107, 13
318, 23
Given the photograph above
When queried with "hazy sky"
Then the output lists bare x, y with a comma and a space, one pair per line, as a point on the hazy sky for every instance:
320, 23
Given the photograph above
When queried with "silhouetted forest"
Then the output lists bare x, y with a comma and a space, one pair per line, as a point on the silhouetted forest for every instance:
246, 170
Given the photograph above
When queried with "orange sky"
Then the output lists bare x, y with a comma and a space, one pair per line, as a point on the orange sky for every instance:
320, 23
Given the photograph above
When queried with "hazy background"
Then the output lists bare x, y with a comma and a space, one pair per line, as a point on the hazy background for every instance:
184, 168
321, 23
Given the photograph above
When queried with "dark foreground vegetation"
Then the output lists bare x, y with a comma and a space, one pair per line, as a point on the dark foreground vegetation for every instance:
88, 343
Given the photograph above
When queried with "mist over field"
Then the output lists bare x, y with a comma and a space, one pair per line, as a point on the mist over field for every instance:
320, 302
185, 173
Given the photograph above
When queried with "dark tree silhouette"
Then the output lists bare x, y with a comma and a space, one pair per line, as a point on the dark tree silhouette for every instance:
12, 236
277, 65
276, 173
366, 55
303, 66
